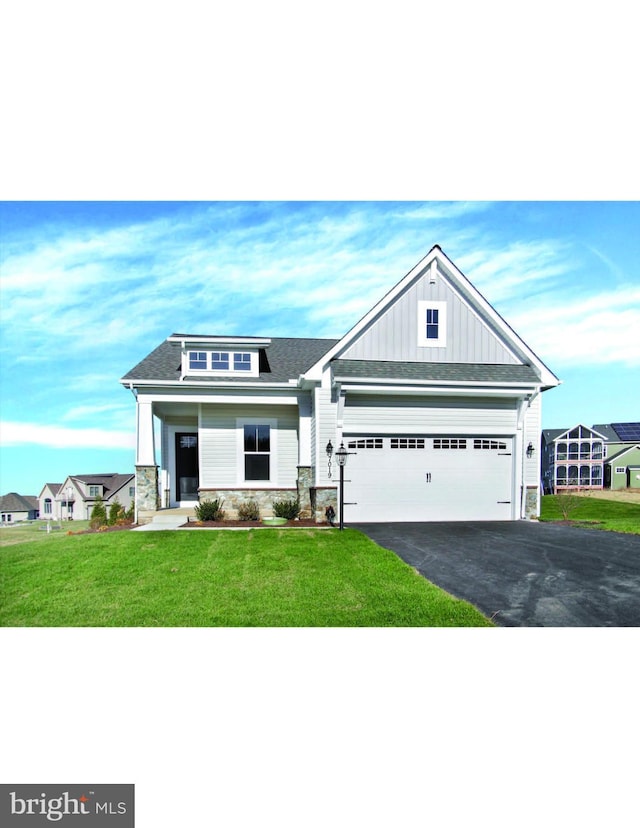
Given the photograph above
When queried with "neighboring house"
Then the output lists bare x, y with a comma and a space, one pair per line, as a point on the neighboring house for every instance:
50, 506
77, 496
436, 398
602, 456
622, 469
15, 508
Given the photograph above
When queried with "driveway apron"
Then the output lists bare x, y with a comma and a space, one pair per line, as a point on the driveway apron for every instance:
525, 573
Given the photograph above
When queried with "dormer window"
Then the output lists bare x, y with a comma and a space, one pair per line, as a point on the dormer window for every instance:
242, 362
221, 362
198, 360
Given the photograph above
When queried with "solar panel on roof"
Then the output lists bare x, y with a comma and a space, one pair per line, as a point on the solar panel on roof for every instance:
627, 431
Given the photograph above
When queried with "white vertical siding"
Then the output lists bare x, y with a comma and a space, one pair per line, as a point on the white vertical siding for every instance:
325, 418
394, 335
531, 434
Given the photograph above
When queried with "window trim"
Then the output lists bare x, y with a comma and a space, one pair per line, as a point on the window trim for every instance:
272, 422
230, 357
434, 342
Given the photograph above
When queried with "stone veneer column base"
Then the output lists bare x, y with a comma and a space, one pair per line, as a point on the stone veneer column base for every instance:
531, 503
321, 497
147, 501
305, 479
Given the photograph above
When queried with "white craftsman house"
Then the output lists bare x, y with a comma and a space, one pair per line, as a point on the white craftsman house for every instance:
435, 397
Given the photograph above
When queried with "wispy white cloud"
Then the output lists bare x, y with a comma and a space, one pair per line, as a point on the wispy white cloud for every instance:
55, 436
599, 329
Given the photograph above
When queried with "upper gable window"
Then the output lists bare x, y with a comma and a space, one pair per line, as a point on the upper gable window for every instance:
432, 324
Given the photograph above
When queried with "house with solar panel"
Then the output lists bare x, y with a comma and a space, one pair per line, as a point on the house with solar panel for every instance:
604, 456
433, 395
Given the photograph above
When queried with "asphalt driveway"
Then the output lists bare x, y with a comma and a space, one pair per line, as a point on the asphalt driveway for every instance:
525, 573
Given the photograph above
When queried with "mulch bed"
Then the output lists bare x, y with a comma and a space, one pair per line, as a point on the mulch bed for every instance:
103, 530
251, 524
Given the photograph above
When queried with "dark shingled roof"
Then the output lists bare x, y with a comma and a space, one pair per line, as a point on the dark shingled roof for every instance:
433, 371
14, 502
282, 360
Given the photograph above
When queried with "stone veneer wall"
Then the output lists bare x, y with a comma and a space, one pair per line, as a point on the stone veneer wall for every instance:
321, 497
305, 479
234, 498
313, 501
531, 503
146, 492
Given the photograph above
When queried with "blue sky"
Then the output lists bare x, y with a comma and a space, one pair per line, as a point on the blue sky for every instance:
88, 289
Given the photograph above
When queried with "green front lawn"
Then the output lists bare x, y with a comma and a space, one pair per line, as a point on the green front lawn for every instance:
598, 513
261, 577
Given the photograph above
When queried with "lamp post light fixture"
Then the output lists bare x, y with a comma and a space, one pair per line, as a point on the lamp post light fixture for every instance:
341, 457
329, 451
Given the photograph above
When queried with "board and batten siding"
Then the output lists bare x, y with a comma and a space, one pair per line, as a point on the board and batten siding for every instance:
394, 335
531, 434
364, 414
325, 410
219, 460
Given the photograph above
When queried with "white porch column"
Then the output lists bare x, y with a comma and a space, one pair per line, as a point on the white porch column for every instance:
145, 439
147, 499
304, 430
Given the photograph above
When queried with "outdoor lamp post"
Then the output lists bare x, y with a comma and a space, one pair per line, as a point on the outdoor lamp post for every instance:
69, 503
341, 457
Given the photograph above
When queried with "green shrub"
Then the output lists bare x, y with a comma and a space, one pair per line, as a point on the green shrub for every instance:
209, 510
116, 512
98, 514
249, 511
289, 509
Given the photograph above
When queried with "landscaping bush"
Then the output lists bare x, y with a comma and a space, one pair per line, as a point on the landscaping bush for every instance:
116, 513
209, 510
289, 509
98, 514
249, 511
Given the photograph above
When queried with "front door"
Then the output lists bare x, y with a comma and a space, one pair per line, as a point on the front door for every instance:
186, 467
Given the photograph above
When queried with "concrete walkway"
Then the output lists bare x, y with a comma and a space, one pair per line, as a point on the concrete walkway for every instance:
525, 573
166, 519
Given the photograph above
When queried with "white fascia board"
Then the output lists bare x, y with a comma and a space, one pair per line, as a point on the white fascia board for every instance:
547, 377
435, 257
236, 341
516, 391
202, 386
315, 372
349, 382
161, 396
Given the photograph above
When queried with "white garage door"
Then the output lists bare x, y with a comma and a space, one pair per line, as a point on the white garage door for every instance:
411, 478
